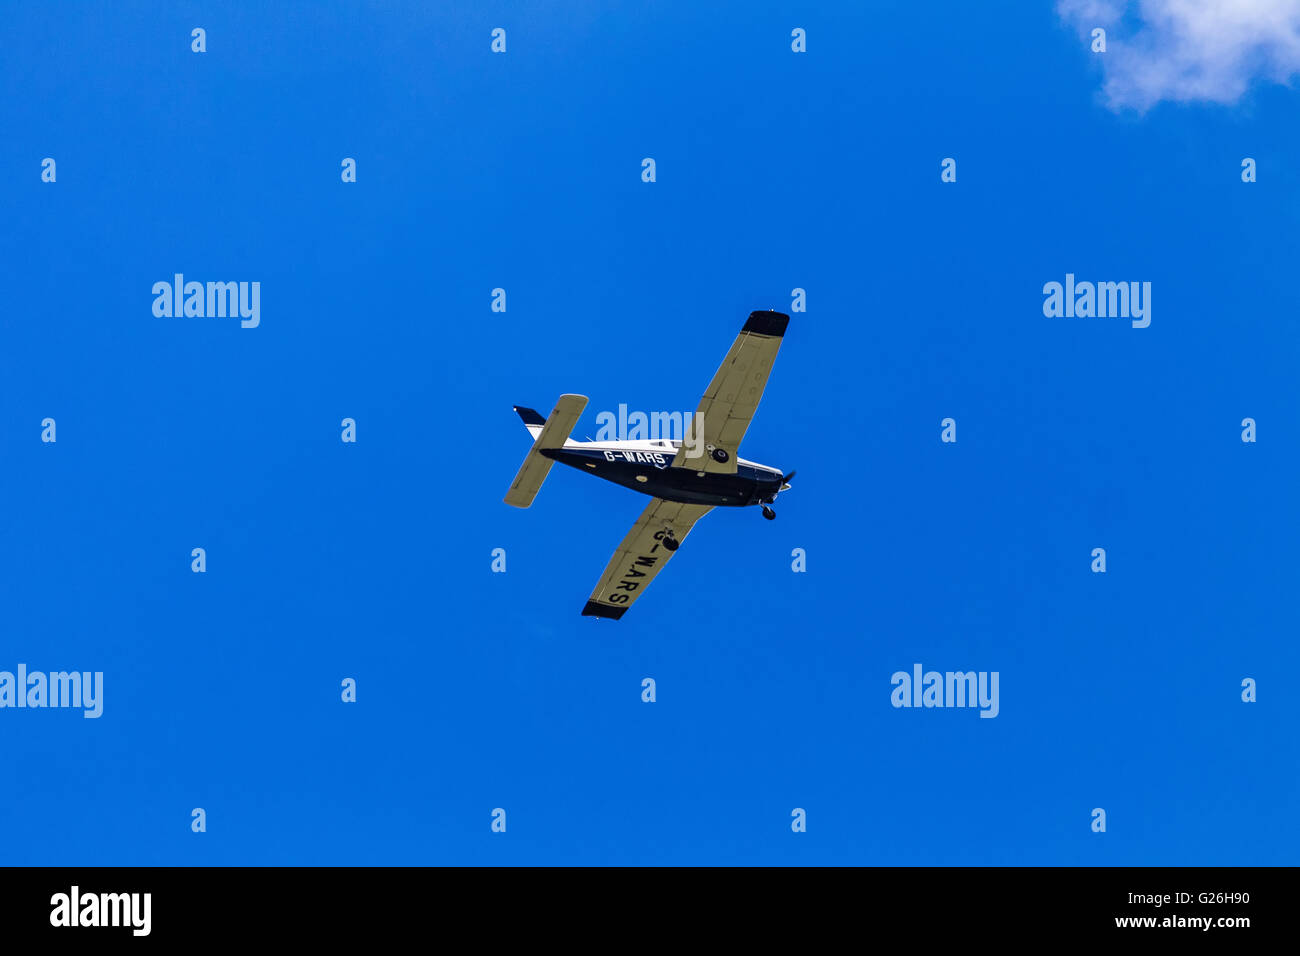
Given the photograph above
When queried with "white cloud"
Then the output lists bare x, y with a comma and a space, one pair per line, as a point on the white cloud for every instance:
1190, 50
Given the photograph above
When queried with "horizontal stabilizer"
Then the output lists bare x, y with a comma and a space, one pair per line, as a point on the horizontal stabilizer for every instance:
554, 432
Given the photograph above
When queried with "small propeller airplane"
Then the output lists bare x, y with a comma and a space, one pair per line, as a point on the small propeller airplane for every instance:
684, 480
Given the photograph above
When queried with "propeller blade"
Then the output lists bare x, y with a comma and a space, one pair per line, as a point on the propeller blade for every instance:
786, 478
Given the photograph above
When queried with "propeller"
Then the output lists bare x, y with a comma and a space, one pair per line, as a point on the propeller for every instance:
786, 478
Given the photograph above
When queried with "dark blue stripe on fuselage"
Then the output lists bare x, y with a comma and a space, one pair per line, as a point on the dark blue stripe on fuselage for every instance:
748, 486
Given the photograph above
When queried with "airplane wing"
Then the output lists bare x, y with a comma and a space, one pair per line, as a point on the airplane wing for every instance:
732, 397
641, 556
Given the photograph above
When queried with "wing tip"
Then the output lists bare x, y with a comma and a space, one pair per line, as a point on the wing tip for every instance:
767, 323
596, 609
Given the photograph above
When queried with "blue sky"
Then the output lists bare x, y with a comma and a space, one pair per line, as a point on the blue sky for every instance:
371, 560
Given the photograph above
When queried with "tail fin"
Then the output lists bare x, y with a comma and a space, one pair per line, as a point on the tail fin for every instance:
550, 433
533, 420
